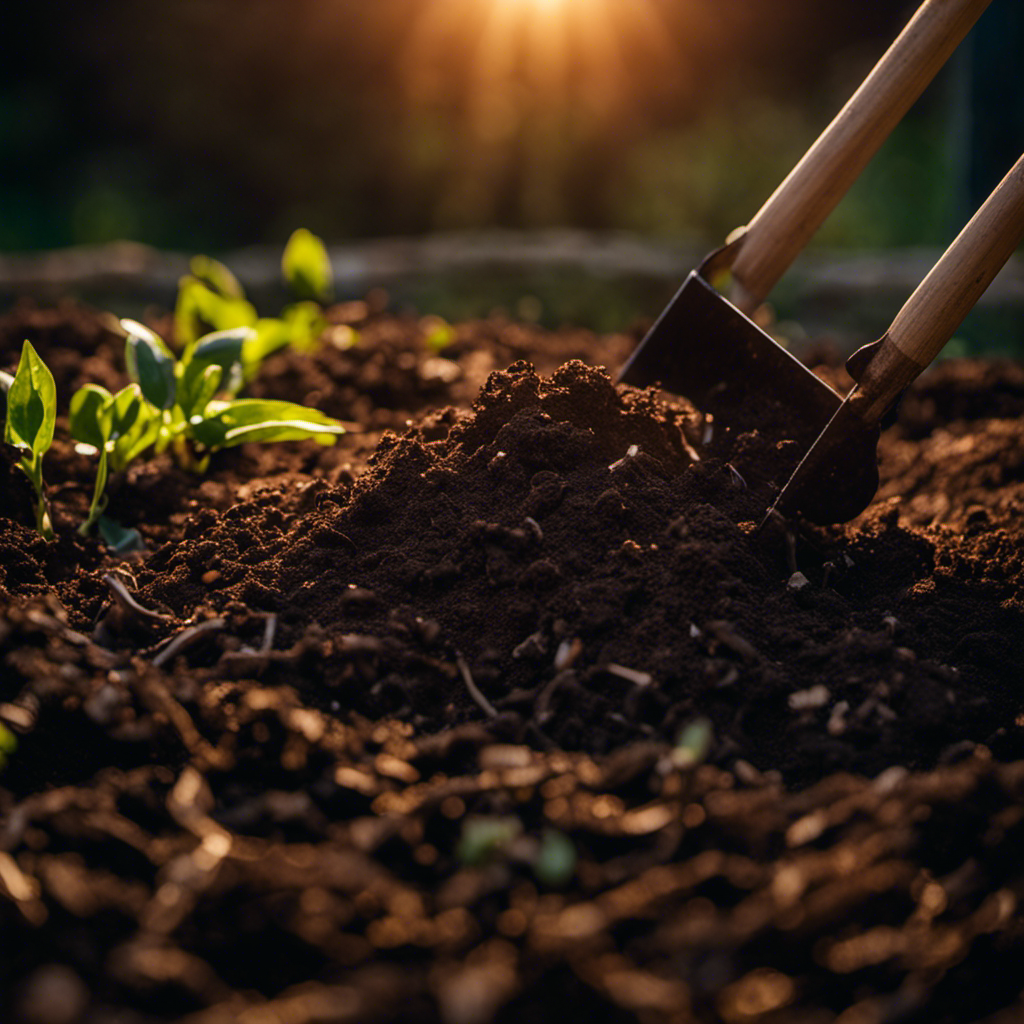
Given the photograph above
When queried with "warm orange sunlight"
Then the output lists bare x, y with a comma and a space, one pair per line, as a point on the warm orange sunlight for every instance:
557, 49
528, 76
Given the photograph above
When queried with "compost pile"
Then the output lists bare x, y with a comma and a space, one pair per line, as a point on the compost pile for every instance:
504, 709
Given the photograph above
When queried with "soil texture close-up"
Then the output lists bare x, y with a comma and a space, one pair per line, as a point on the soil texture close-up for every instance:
508, 706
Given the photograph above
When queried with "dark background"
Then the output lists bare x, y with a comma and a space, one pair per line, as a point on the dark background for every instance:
211, 124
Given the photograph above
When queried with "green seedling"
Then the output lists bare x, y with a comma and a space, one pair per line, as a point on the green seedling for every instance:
484, 838
439, 334
693, 745
31, 414
555, 862
187, 405
307, 267
8, 745
193, 398
210, 298
120, 427
120, 539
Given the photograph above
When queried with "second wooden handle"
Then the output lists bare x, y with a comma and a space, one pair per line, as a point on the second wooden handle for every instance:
799, 206
942, 300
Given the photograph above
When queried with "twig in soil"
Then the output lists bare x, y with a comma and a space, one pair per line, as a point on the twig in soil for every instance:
736, 477
186, 638
254, 660
632, 675
473, 690
709, 430
534, 528
725, 633
836, 724
542, 708
52, 623
127, 602
813, 697
631, 453
791, 551
568, 651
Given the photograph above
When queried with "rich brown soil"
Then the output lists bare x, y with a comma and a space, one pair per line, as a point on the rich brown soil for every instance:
498, 604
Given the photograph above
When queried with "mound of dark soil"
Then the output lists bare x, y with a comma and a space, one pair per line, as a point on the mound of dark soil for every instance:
505, 707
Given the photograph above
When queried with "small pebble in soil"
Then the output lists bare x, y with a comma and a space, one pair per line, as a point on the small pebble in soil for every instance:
816, 696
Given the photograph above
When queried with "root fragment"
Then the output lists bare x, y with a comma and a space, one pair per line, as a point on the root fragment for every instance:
473, 690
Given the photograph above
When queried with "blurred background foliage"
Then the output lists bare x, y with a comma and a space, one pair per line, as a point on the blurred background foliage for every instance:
208, 125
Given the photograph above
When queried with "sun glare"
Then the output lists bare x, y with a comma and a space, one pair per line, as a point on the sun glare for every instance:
526, 76
547, 41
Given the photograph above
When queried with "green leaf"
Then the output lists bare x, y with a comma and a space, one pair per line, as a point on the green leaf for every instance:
439, 334
483, 839
8, 741
216, 276
119, 538
204, 388
150, 364
255, 419
85, 416
129, 447
125, 408
199, 309
8, 745
307, 267
271, 335
555, 862
31, 404
222, 349
693, 743
134, 427
304, 323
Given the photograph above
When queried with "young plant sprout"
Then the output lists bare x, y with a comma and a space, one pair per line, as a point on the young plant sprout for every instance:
211, 298
120, 427
193, 397
8, 745
307, 267
186, 405
31, 414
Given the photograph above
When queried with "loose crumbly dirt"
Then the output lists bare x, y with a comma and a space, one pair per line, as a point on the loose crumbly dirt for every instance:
499, 604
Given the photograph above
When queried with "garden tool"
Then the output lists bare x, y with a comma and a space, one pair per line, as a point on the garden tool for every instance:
705, 347
839, 474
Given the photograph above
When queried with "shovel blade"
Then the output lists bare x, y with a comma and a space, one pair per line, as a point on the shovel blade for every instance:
703, 348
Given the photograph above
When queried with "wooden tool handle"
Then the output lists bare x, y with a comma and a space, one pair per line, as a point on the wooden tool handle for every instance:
942, 300
799, 206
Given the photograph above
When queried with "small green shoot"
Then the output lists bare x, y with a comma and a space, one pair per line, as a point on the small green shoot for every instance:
307, 267
483, 838
198, 413
693, 745
210, 298
186, 405
120, 539
31, 414
438, 333
555, 862
8, 745
120, 427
